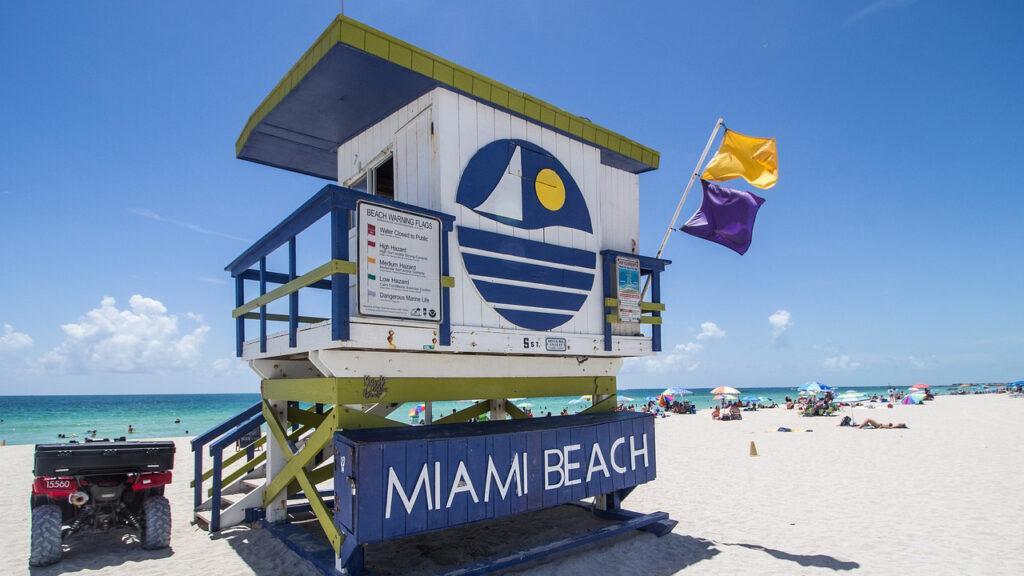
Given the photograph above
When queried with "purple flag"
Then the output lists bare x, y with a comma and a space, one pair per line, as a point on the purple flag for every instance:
726, 216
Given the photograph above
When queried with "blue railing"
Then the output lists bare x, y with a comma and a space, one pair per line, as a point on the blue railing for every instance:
217, 453
649, 266
337, 202
211, 435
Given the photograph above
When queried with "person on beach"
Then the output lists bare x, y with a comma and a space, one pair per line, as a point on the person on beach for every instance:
872, 423
716, 414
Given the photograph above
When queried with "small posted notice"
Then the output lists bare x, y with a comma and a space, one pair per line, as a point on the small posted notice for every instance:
399, 264
628, 288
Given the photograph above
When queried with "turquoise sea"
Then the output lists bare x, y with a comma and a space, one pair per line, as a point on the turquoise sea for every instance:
37, 419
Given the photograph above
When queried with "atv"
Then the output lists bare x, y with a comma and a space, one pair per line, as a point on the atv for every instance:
99, 485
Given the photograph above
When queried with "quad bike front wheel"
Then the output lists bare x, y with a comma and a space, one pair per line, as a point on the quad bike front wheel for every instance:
46, 540
156, 513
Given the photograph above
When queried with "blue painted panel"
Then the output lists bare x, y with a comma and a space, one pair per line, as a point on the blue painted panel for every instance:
458, 512
344, 500
443, 497
370, 493
476, 463
478, 265
519, 446
415, 458
523, 296
512, 246
533, 320
579, 490
437, 455
394, 459
535, 459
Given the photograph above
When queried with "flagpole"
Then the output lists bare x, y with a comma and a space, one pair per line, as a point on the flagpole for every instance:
682, 200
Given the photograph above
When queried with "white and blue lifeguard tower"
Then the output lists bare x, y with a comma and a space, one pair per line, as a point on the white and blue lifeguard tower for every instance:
477, 244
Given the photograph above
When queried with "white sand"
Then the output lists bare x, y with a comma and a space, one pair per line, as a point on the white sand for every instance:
943, 497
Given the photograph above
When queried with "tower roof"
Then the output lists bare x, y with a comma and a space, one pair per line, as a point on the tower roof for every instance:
354, 76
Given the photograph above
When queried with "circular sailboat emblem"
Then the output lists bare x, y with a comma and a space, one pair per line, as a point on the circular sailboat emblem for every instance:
534, 283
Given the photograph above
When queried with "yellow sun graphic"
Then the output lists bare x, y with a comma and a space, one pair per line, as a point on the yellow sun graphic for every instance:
550, 189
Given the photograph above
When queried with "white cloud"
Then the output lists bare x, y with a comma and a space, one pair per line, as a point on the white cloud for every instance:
780, 320
12, 340
876, 7
143, 338
681, 356
840, 362
231, 366
710, 330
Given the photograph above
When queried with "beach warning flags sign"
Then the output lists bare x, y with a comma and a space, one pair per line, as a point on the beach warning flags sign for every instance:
754, 159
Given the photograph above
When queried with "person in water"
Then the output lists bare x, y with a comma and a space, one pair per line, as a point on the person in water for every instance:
130, 429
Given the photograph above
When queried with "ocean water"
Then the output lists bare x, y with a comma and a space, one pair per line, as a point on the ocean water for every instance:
39, 419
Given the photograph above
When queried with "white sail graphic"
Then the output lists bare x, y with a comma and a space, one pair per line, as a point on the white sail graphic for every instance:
506, 200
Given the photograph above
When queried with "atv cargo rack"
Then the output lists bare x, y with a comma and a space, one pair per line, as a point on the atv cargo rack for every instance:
103, 457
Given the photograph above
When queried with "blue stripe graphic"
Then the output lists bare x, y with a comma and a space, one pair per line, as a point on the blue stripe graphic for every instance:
523, 296
493, 242
508, 269
533, 320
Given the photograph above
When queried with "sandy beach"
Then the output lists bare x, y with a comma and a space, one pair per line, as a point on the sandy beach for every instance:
938, 498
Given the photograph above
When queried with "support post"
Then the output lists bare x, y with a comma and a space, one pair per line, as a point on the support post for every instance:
263, 309
197, 497
339, 282
498, 411
445, 335
240, 321
656, 297
609, 292
293, 298
215, 499
277, 511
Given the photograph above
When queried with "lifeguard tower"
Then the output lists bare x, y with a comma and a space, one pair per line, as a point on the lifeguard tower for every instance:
475, 244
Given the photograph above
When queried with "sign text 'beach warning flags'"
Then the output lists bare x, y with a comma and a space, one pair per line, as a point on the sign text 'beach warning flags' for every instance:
754, 159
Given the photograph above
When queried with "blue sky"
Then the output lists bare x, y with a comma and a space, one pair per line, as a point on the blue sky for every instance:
889, 252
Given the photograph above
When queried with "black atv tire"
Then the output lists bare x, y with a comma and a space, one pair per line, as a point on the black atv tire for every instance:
156, 513
46, 535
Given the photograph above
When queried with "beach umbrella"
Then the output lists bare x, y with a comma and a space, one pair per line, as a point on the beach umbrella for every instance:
910, 399
676, 392
725, 390
625, 399
817, 387
750, 399
920, 386
850, 397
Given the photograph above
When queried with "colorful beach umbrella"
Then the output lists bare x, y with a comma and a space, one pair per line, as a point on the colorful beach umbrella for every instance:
816, 387
676, 392
920, 386
910, 399
725, 390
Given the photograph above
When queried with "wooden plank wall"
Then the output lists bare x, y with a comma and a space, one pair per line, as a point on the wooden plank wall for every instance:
429, 165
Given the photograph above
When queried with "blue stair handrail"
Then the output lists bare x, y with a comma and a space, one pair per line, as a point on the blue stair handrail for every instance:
200, 441
217, 453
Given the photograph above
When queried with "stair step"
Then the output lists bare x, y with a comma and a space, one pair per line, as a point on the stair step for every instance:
250, 484
203, 519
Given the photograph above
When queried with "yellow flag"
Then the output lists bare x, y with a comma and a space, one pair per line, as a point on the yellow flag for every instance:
756, 160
